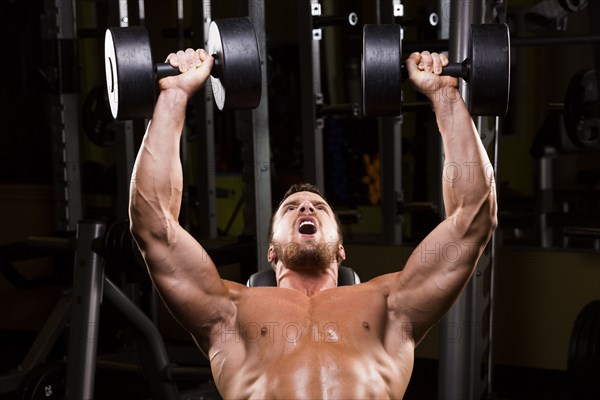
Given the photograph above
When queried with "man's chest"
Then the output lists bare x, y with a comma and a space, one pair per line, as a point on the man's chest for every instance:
332, 316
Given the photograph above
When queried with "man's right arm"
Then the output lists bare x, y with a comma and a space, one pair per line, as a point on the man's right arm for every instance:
184, 275
440, 267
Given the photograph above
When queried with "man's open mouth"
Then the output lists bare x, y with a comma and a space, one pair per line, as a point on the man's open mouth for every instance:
307, 227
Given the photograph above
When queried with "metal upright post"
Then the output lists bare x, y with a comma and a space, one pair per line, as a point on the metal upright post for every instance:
545, 193
390, 145
63, 117
184, 213
207, 198
256, 152
154, 360
260, 141
492, 274
310, 92
88, 276
125, 143
142, 12
465, 329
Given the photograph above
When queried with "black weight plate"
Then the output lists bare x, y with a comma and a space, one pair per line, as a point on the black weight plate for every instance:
382, 70
581, 116
238, 83
584, 347
130, 82
489, 78
45, 381
593, 359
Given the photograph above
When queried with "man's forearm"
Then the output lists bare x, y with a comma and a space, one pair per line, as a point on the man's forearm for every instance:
157, 181
467, 173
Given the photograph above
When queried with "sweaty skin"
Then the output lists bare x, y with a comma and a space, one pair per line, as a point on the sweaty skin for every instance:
308, 338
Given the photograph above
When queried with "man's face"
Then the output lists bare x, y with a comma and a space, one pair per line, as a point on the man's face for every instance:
305, 231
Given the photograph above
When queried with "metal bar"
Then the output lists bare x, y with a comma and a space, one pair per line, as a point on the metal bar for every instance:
329, 20
124, 137
494, 244
390, 148
43, 344
49, 334
311, 94
85, 314
261, 139
64, 118
352, 109
444, 13
442, 44
125, 159
184, 213
457, 378
581, 232
545, 193
180, 373
204, 105
142, 11
151, 348
70, 160
10, 381
421, 21
391, 178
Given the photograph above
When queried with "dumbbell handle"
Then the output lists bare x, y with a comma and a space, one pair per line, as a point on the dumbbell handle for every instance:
165, 69
457, 70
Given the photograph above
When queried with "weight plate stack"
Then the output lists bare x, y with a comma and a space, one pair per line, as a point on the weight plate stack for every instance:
489, 78
131, 83
382, 70
583, 363
237, 66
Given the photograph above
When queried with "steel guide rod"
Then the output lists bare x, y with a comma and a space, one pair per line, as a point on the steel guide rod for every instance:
64, 120
124, 137
311, 94
328, 20
90, 288
88, 273
261, 151
390, 148
442, 44
184, 213
206, 165
464, 330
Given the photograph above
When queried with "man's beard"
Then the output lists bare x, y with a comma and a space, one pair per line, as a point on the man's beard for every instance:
306, 256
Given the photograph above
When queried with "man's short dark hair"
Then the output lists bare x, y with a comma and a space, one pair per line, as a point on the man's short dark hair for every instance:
302, 187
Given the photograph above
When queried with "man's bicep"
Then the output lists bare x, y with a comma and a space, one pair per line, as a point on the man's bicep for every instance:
188, 281
433, 277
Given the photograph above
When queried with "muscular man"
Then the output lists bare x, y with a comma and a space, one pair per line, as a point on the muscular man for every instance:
307, 337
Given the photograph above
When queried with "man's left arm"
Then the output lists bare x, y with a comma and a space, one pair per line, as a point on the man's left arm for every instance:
441, 265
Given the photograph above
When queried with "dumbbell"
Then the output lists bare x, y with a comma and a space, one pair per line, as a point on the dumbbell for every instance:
132, 75
486, 69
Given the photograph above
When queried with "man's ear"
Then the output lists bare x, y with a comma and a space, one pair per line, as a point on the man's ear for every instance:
271, 256
341, 253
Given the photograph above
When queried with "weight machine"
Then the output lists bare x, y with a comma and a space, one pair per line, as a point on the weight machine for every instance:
78, 313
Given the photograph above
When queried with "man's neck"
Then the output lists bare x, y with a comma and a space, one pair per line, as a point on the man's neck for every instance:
307, 281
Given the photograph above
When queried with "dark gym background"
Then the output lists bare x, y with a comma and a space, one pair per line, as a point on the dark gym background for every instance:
543, 277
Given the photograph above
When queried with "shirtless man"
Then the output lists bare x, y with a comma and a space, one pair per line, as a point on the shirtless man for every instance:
307, 337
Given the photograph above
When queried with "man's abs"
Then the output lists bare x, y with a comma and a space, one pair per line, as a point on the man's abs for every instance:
312, 371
